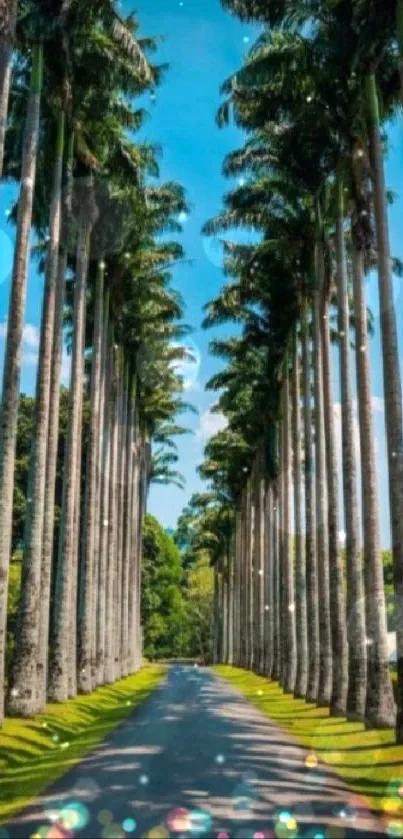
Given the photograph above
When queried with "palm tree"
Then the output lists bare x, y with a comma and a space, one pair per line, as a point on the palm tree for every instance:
379, 708
15, 323
322, 546
61, 630
337, 601
300, 571
355, 585
310, 530
8, 20
25, 696
86, 614
391, 368
287, 574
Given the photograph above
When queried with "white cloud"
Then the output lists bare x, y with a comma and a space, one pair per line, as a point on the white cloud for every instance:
3, 329
378, 404
210, 424
66, 369
189, 367
31, 335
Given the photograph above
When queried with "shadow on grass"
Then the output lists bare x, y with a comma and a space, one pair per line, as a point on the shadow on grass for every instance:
367, 760
38, 751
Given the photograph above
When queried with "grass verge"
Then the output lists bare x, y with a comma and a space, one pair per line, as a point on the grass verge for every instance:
369, 761
34, 753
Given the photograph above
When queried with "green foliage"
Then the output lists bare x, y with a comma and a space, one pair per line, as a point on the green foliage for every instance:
24, 439
199, 609
176, 605
162, 605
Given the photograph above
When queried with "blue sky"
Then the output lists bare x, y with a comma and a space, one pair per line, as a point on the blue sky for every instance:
203, 45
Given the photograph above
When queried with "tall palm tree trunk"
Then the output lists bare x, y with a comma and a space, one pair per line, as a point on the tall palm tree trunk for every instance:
25, 699
250, 571
104, 500
112, 522
391, 377
288, 599
338, 701
300, 568
275, 671
243, 582
121, 488
357, 654
322, 545
8, 18
380, 706
48, 535
86, 612
12, 354
231, 600
268, 581
257, 566
312, 594
60, 665
96, 594
77, 558
127, 529
237, 590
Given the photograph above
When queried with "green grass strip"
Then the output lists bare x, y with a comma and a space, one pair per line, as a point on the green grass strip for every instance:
34, 753
369, 761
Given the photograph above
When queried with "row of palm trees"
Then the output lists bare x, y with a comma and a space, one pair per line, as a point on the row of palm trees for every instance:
70, 73
313, 96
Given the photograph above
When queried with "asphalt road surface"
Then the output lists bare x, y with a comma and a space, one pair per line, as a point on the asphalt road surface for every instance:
197, 760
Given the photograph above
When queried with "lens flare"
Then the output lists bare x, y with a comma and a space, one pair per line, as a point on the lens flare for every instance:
311, 761
178, 820
129, 825
200, 823
105, 816
394, 828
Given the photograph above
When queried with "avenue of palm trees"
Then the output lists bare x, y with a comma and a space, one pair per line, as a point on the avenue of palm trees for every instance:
70, 74
314, 95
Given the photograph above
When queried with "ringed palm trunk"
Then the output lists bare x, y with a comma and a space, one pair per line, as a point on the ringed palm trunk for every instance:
63, 609
216, 627
104, 499
322, 544
268, 581
275, 672
8, 18
133, 540
99, 526
237, 590
111, 552
86, 611
290, 651
338, 701
26, 697
127, 530
75, 591
12, 355
243, 618
231, 600
300, 569
121, 487
357, 653
391, 378
380, 706
250, 571
312, 595
53, 438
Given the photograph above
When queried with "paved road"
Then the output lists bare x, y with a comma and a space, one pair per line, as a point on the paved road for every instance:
197, 760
